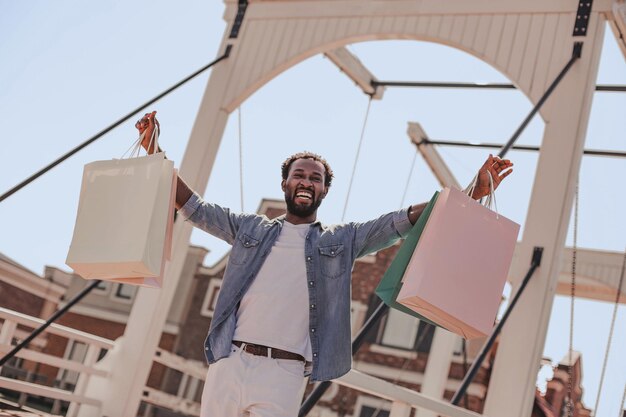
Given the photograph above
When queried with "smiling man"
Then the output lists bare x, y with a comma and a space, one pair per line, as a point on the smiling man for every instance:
283, 312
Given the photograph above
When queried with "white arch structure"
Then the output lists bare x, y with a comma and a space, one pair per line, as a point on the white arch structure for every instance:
529, 41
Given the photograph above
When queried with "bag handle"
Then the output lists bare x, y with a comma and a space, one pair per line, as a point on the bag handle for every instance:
136, 146
491, 197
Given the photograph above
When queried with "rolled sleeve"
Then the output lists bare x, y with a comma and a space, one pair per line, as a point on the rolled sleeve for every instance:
190, 206
401, 222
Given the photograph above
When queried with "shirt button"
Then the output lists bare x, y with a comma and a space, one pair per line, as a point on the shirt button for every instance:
313, 330
332, 252
308, 258
315, 355
206, 348
311, 283
312, 306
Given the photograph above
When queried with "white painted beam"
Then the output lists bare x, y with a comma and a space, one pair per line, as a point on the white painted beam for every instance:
512, 384
47, 392
263, 9
597, 274
431, 156
354, 68
383, 389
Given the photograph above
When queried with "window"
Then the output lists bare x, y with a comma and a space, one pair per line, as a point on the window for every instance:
367, 406
400, 330
210, 298
75, 351
125, 292
367, 411
102, 288
458, 347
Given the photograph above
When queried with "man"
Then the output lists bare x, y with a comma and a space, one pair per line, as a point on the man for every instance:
284, 306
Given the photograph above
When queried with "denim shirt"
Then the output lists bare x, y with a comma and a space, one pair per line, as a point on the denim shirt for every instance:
330, 252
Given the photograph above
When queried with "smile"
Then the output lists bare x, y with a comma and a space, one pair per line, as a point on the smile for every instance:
304, 195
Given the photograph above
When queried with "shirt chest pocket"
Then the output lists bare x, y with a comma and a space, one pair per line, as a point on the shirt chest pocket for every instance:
244, 249
332, 260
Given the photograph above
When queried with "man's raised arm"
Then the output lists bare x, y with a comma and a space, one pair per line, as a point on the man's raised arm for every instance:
147, 124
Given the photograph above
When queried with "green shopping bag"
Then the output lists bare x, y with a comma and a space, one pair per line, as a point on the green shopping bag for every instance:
389, 286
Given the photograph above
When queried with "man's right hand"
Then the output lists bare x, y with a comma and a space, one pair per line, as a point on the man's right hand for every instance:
147, 125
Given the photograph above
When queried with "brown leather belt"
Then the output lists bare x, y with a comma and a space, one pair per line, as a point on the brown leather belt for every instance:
261, 350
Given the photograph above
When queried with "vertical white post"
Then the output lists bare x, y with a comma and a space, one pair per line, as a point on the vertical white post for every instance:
437, 368
83, 379
512, 384
7, 331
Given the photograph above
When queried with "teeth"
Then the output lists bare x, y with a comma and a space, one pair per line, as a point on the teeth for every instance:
304, 194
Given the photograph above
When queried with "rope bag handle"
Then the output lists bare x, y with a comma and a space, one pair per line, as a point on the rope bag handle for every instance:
136, 146
490, 201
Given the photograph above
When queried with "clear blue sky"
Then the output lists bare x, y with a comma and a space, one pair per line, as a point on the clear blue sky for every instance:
69, 68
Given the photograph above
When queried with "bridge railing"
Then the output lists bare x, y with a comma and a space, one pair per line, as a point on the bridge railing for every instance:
15, 325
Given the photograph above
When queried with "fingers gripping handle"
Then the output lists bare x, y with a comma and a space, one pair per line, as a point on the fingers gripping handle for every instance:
136, 146
490, 200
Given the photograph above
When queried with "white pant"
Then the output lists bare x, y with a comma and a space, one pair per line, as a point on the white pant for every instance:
256, 386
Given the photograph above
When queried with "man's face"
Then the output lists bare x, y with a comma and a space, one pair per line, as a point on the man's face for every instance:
304, 187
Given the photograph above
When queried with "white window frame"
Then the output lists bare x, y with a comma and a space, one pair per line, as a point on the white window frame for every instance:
358, 311
209, 298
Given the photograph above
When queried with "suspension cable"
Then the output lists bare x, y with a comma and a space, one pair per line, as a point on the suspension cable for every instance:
611, 329
623, 402
356, 158
240, 158
408, 180
111, 127
570, 368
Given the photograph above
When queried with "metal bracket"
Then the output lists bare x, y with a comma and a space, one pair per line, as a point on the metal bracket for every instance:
241, 12
582, 17
577, 52
537, 255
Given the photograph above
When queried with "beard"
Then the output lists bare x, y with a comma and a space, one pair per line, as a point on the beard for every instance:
301, 210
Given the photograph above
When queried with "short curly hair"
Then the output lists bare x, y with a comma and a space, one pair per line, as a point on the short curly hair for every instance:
328, 174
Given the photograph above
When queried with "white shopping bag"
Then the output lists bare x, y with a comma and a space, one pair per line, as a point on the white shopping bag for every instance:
122, 218
157, 282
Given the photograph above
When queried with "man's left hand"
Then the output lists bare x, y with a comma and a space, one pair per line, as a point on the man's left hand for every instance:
499, 169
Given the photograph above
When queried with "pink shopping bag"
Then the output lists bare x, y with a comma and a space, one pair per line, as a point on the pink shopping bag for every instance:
459, 267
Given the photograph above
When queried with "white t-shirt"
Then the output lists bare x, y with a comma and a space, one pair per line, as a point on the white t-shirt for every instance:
274, 311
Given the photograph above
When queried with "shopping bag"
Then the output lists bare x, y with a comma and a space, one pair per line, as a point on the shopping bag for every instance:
391, 282
122, 218
157, 282
457, 272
